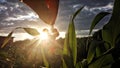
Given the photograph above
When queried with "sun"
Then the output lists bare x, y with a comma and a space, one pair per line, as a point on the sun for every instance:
43, 36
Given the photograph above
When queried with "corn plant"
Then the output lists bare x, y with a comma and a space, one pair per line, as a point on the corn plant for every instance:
109, 35
100, 52
70, 45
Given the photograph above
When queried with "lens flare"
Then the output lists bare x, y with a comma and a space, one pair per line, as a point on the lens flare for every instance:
43, 36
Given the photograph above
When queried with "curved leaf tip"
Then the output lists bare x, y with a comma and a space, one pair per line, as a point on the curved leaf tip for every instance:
32, 31
96, 20
76, 13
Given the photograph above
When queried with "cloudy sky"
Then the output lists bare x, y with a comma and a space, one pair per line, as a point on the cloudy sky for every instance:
14, 14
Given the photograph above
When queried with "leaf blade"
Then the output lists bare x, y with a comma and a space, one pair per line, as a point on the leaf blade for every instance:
109, 35
7, 39
91, 52
76, 13
32, 31
96, 20
103, 61
72, 36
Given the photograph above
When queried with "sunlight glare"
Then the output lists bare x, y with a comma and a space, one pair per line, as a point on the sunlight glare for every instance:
43, 36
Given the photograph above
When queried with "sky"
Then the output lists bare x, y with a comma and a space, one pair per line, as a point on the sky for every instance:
16, 14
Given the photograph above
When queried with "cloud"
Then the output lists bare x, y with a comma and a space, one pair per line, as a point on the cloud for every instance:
107, 7
83, 20
3, 1
93, 3
3, 8
14, 13
30, 16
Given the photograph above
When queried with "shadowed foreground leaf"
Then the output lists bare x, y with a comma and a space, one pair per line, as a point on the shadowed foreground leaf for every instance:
104, 61
7, 39
79, 65
92, 49
111, 30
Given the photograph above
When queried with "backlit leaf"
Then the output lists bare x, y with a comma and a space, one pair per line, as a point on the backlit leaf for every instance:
46, 9
72, 36
31, 31
70, 44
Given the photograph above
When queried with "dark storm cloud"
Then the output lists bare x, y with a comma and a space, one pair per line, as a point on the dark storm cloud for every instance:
83, 20
14, 13
2, 1
93, 3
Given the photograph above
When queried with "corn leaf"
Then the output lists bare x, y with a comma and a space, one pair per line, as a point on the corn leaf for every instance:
73, 42
98, 51
7, 39
78, 65
46, 9
64, 64
68, 61
31, 31
70, 44
72, 36
111, 30
76, 13
103, 61
92, 50
66, 48
96, 20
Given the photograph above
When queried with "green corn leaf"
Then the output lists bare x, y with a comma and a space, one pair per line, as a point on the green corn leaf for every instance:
92, 50
70, 44
7, 39
68, 62
103, 61
73, 42
66, 43
32, 31
72, 36
100, 49
76, 13
78, 65
111, 30
96, 20
64, 64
